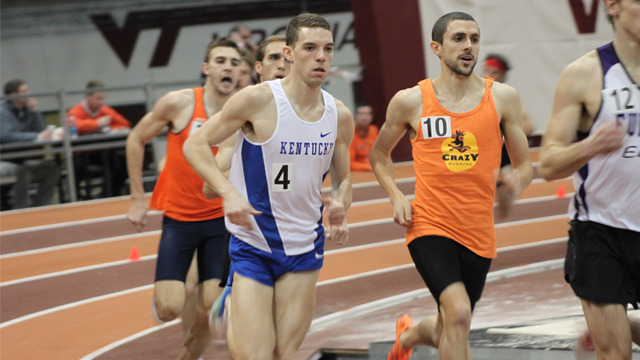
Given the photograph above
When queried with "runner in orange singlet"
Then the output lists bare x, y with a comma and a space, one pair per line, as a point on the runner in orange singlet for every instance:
191, 222
456, 123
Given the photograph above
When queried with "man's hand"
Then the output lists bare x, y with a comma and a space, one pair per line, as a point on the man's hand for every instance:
104, 121
238, 209
608, 137
337, 229
507, 189
138, 214
402, 211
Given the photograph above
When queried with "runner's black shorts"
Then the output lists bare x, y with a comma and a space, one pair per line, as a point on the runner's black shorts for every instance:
442, 262
179, 241
603, 263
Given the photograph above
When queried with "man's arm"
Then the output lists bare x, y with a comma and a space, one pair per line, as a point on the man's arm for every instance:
9, 126
166, 109
515, 140
579, 85
84, 122
341, 192
197, 150
223, 157
117, 120
403, 107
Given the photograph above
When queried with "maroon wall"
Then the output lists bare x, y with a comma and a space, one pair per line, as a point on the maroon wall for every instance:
389, 39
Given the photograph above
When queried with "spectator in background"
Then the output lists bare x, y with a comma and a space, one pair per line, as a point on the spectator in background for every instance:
92, 115
245, 78
364, 137
242, 36
20, 121
497, 66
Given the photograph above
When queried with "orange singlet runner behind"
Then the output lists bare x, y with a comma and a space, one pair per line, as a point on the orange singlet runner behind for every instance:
179, 189
455, 158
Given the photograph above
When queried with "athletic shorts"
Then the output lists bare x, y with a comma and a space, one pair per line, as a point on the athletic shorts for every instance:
266, 268
442, 262
226, 269
179, 241
603, 263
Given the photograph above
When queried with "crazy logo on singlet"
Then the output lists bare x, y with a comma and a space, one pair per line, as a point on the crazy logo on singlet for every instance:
460, 147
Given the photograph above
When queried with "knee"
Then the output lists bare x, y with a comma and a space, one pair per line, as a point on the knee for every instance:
167, 311
458, 315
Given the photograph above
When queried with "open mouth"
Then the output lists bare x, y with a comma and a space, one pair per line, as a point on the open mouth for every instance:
279, 76
466, 57
226, 79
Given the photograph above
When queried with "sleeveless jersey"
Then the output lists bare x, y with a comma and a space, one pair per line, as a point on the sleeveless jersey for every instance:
608, 186
455, 157
282, 177
179, 189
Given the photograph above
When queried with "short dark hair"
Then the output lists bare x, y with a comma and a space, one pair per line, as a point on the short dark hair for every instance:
501, 59
262, 48
13, 86
93, 87
440, 27
219, 42
307, 20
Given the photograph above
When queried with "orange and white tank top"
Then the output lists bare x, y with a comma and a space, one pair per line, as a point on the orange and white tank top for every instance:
179, 189
455, 157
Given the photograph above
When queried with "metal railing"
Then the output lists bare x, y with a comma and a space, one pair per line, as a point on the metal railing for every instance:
149, 98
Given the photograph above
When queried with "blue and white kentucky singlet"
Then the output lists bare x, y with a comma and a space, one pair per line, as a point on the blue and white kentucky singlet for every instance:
608, 186
282, 177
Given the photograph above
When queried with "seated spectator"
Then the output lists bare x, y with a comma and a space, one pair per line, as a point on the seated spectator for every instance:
20, 121
365, 135
92, 115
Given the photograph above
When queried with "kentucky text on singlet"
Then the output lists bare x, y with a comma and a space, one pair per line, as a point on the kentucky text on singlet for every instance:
179, 188
455, 157
282, 177
608, 186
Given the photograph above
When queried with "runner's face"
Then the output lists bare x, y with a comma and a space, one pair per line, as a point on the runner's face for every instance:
223, 69
364, 116
312, 54
461, 44
244, 77
629, 18
494, 73
273, 65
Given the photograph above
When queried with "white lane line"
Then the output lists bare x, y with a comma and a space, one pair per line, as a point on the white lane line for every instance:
129, 339
72, 223
373, 306
155, 212
411, 265
80, 244
73, 304
345, 249
74, 271
351, 226
328, 252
